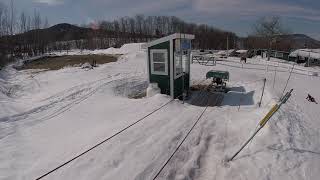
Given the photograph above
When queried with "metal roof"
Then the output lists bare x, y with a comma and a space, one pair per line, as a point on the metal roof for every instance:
168, 38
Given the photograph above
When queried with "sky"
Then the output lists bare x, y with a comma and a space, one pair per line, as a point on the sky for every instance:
299, 16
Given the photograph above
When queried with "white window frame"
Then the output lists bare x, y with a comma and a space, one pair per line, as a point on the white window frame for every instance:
165, 51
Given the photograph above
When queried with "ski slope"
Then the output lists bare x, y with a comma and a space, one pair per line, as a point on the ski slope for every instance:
49, 117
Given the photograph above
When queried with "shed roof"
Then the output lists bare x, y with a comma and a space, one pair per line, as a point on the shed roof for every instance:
312, 53
168, 38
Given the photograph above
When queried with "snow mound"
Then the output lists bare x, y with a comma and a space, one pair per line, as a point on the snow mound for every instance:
225, 52
153, 89
242, 51
131, 48
86, 66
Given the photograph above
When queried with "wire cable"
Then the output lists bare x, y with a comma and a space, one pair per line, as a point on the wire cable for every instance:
100, 143
198, 119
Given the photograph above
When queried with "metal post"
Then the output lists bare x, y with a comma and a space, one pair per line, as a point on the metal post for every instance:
264, 85
269, 50
275, 74
245, 144
309, 60
181, 66
264, 121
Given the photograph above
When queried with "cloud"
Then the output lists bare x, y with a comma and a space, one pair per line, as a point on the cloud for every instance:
254, 8
50, 2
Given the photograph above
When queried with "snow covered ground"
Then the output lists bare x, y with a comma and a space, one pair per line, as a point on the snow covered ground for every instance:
48, 117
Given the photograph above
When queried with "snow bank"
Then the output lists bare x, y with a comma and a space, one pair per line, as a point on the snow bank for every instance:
225, 52
242, 51
125, 49
153, 89
131, 48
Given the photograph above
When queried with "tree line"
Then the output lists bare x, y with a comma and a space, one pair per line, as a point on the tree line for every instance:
23, 34
140, 26
13, 23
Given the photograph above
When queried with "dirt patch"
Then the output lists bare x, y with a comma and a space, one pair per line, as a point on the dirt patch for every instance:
59, 62
199, 87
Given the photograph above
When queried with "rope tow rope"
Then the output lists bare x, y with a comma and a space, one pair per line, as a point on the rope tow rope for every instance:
105, 140
180, 144
285, 87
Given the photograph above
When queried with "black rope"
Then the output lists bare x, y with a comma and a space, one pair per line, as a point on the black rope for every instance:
83, 153
182, 140
285, 87
76, 157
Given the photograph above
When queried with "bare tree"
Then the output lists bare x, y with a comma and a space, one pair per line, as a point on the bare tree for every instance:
23, 22
269, 28
12, 18
2, 7
46, 23
28, 25
4, 20
36, 20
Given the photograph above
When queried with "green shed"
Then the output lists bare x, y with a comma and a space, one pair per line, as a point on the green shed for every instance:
169, 64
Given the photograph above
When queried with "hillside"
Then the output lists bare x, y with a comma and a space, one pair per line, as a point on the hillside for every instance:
283, 42
301, 41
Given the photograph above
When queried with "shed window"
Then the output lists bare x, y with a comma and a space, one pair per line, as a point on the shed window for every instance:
159, 61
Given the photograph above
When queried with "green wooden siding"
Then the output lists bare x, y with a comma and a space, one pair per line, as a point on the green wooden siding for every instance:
162, 80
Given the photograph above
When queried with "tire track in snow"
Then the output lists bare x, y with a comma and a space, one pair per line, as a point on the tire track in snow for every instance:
293, 125
141, 138
104, 141
180, 154
71, 100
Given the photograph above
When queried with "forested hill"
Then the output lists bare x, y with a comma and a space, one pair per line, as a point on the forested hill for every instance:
124, 30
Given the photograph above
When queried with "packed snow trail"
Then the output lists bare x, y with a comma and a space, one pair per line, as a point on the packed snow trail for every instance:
102, 142
136, 157
208, 103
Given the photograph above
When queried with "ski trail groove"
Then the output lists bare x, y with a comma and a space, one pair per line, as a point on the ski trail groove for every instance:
187, 134
105, 140
88, 92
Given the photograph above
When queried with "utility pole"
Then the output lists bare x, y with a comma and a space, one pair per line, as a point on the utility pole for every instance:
264, 121
269, 50
182, 70
309, 59
275, 74
228, 45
